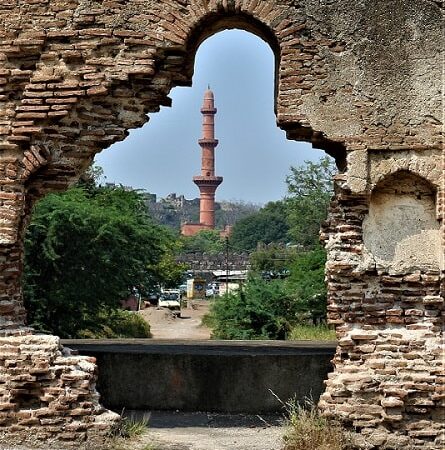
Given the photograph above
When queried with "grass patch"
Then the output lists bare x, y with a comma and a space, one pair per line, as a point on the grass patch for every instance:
307, 430
312, 332
130, 427
129, 435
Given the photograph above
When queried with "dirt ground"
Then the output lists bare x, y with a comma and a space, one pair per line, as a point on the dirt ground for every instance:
208, 431
198, 430
164, 325
178, 430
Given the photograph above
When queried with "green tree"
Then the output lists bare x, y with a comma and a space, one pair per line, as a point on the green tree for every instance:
167, 271
310, 188
271, 309
273, 258
307, 282
268, 225
84, 250
206, 241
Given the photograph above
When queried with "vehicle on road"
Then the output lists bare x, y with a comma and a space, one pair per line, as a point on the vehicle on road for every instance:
171, 299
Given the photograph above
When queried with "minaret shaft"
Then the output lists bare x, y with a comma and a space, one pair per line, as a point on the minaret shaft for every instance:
207, 182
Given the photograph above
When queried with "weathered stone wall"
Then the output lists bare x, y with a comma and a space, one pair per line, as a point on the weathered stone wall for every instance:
205, 262
361, 79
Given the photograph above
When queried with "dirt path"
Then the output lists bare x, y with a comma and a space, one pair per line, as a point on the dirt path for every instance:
208, 431
164, 325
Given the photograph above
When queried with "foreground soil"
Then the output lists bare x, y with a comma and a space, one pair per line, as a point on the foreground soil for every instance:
209, 431
164, 325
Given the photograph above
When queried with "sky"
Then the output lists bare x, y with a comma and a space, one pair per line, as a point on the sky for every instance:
253, 154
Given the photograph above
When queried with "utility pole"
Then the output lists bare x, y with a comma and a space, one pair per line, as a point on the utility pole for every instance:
227, 264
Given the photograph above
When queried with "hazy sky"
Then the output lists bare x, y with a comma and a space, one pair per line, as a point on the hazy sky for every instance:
253, 154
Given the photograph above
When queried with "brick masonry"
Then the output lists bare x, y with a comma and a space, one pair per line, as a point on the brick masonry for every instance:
360, 79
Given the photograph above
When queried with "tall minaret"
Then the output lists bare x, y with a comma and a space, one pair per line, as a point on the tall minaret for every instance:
207, 182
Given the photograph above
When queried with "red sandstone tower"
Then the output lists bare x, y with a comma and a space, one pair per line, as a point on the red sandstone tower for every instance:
207, 182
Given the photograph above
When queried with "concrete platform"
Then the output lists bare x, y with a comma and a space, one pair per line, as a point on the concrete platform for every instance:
214, 376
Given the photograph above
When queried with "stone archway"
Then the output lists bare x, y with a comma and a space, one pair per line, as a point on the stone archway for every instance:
361, 80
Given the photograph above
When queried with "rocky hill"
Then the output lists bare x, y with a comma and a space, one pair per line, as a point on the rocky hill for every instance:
174, 210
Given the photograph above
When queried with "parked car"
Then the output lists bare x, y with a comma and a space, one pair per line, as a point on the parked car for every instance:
171, 299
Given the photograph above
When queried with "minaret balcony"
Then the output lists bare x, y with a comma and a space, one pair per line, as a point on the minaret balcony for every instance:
208, 142
206, 110
199, 180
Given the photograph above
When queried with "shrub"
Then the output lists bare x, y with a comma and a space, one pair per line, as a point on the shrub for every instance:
307, 282
261, 310
128, 324
117, 324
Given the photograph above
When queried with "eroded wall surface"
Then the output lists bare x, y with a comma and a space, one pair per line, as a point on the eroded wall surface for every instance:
360, 79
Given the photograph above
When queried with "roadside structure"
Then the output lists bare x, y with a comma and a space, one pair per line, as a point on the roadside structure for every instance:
361, 80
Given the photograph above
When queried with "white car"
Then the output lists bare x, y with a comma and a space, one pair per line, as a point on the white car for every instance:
171, 299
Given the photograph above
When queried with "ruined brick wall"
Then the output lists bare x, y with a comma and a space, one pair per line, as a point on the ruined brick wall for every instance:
384, 276
360, 79
48, 396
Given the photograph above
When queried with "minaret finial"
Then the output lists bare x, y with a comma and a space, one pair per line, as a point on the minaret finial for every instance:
208, 86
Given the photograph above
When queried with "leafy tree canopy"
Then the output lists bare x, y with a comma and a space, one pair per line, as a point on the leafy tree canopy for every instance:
310, 188
85, 249
268, 225
274, 258
307, 282
206, 241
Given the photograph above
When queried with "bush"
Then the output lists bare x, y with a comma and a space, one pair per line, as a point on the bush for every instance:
118, 324
261, 310
127, 324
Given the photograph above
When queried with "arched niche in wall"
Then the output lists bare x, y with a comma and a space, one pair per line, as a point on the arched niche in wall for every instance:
401, 231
